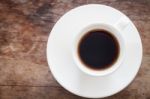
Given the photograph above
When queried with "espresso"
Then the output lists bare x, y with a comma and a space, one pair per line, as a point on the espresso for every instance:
98, 49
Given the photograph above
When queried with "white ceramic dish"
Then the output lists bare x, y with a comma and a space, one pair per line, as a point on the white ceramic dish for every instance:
63, 66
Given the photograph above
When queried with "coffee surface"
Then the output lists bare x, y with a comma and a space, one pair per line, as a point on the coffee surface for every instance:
98, 49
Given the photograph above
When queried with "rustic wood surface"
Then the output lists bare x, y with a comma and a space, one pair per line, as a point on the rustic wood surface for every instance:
24, 29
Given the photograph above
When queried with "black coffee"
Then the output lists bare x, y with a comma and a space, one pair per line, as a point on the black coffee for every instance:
98, 49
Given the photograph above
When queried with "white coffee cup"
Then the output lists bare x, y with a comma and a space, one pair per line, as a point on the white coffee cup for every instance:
115, 29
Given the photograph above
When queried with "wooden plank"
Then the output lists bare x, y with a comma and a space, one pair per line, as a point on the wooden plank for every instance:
24, 72
24, 92
48, 92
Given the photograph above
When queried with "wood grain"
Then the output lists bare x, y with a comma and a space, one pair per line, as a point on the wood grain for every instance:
24, 29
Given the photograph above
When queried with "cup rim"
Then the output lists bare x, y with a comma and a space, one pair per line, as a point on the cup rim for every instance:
115, 32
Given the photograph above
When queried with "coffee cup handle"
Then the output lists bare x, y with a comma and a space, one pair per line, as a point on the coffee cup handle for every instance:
122, 23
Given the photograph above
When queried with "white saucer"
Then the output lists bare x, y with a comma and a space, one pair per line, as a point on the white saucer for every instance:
61, 62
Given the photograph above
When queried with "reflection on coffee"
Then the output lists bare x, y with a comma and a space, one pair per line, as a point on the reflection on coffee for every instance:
98, 49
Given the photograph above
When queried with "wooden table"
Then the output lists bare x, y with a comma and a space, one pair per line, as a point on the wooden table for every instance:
24, 29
